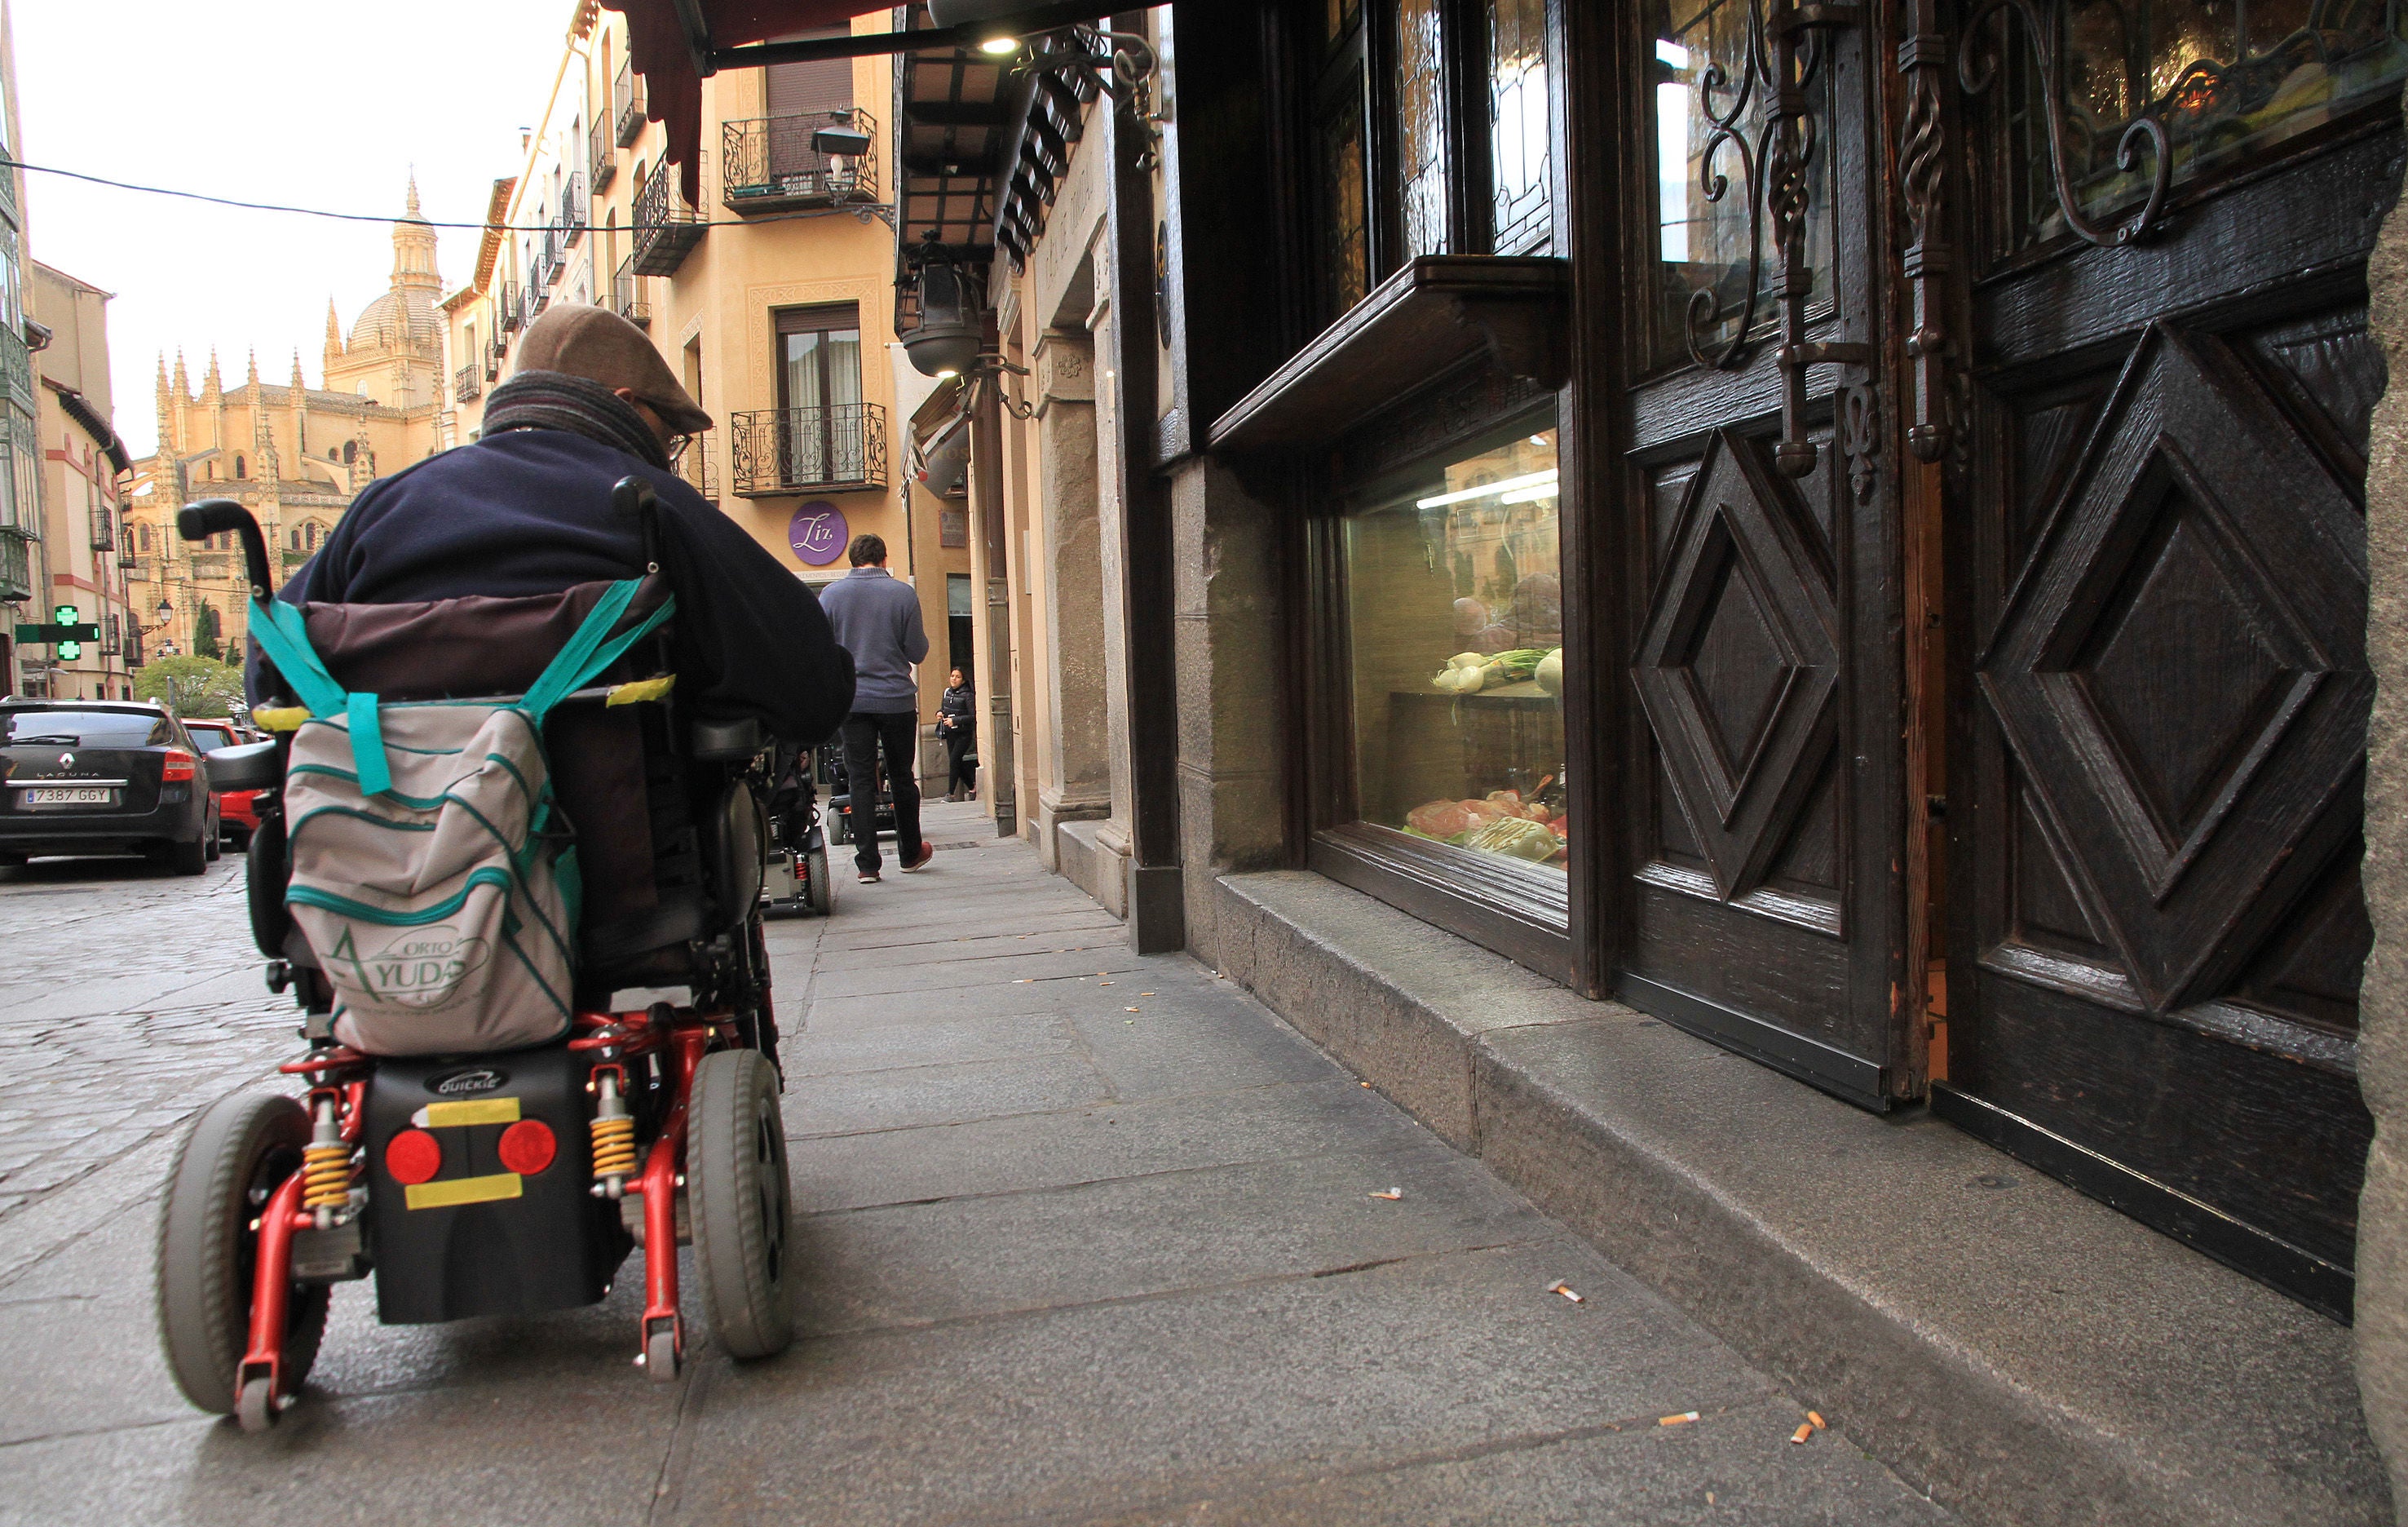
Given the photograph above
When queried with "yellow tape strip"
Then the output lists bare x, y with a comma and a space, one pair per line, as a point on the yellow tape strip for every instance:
637, 691
456, 1190
453, 1115
280, 717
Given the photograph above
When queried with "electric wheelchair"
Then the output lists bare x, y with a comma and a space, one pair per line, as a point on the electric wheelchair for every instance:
515, 1181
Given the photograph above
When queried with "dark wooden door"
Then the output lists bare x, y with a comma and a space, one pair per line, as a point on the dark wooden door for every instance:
2157, 927
1765, 891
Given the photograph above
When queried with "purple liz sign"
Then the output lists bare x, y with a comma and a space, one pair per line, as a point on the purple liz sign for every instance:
818, 533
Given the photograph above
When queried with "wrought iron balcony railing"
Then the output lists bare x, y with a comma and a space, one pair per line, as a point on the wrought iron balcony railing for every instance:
699, 465
16, 564
601, 155
468, 382
627, 296
133, 657
507, 313
768, 164
823, 450
627, 95
104, 529
666, 226
572, 212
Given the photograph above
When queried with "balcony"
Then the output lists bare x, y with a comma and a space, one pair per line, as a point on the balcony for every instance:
627, 95
768, 164
468, 382
572, 212
104, 529
601, 156
16, 564
698, 468
838, 449
667, 229
627, 296
506, 312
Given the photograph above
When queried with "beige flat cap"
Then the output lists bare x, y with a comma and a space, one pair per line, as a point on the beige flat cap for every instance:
600, 346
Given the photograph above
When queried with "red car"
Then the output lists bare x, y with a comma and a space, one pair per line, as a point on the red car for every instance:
237, 819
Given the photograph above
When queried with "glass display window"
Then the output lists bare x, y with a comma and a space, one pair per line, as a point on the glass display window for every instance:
1454, 622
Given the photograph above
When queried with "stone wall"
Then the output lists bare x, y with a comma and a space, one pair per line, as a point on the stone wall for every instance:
2383, 1042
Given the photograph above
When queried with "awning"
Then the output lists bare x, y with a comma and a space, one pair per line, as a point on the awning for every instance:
675, 44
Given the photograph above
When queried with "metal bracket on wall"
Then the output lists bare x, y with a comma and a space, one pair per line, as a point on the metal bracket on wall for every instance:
1977, 68
1775, 166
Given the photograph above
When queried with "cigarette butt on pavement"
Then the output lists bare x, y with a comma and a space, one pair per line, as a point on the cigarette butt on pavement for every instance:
1565, 1289
1684, 1418
1805, 1430
1129, 1010
1146, 994
1814, 1418
1391, 1194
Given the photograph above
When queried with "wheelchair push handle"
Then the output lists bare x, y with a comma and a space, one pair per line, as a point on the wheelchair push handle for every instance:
633, 497
214, 516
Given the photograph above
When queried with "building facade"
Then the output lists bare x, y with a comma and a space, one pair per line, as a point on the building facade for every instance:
769, 293
24, 577
294, 455
85, 472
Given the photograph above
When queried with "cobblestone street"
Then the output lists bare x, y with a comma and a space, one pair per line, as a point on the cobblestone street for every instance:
1085, 1237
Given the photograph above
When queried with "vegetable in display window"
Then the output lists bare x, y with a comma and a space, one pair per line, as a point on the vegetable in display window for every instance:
1454, 595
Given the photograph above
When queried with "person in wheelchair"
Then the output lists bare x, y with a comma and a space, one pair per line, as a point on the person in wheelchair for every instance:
527, 511
528, 702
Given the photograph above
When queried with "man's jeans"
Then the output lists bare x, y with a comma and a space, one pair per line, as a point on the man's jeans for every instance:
899, 733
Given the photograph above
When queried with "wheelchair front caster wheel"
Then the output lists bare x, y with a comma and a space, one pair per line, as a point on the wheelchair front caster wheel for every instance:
255, 1407
661, 1356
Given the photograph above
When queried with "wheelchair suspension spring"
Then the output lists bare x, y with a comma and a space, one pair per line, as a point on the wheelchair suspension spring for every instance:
326, 1176
614, 1146
614, 1135
326, 1163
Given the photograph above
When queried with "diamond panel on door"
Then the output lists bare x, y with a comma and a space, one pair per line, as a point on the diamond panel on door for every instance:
2187, 717
1738, 665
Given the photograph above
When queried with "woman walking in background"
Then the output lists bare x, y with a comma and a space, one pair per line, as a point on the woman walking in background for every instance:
958, 724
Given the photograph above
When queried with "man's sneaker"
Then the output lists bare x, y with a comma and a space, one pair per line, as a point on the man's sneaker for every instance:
911, 867
870, 877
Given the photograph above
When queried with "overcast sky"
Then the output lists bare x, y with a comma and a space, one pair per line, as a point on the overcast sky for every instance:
316, 103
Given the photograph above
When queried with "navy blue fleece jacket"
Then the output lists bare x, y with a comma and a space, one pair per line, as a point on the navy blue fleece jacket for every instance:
529, 511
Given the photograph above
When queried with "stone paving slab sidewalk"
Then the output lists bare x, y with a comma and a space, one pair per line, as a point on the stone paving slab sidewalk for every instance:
1063, 1261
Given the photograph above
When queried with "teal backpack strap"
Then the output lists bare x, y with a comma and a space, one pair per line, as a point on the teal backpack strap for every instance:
592, 649
282, 633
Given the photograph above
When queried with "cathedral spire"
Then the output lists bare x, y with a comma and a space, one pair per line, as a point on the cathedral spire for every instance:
211, 386
183, 383
254, 373
412, 210
334, 332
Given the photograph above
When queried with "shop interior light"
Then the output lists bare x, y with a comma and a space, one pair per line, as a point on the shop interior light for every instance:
1006, 44
1491, 490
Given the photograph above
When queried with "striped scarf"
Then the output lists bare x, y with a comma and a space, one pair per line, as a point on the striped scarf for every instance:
557, 400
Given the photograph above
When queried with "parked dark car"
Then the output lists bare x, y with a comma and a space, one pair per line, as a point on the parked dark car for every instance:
238, 817
103, 777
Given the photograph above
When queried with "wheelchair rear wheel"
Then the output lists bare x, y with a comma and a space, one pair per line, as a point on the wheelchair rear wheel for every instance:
237, 1152
743, 1219
822, 892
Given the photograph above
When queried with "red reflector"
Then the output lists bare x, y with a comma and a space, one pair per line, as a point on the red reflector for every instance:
181, 766
413, 1156
528, 1146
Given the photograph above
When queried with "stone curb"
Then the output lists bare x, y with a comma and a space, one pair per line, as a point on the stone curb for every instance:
2026, 1357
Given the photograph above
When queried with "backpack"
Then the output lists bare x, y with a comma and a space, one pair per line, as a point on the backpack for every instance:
432, 873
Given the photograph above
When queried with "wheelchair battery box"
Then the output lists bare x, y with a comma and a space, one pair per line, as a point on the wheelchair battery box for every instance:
479, 1187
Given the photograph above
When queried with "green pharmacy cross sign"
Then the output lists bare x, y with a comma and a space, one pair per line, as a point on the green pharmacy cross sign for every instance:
64, 634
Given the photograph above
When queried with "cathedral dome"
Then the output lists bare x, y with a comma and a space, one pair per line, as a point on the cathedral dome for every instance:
382, 322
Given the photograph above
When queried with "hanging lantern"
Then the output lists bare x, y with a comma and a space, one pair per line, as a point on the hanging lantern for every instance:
946, 342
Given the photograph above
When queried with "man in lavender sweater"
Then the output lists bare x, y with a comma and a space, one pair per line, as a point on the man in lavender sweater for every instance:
876, 619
